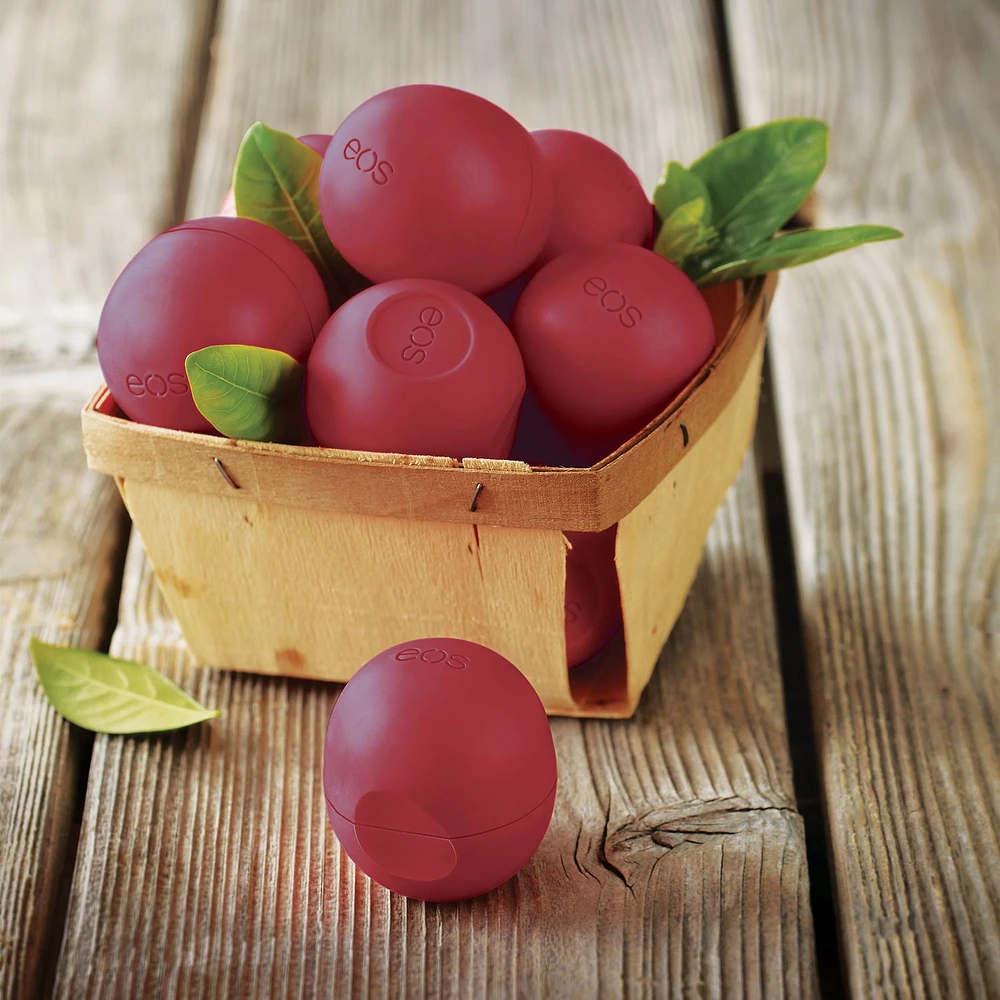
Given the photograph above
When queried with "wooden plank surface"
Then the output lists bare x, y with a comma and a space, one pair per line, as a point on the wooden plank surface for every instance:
59, 530
97, 99
886, 366
675, 864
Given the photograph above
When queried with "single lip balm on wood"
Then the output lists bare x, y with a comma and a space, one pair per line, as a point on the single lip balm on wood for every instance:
416, 367
205, 282
439, 769
597, 197
424, 181
609, 335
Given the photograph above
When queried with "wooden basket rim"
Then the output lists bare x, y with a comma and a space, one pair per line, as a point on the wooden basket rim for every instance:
512, 493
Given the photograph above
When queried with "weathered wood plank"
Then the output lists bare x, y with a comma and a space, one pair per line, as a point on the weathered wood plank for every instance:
60, 527
886, 367
643, 79
675, 864
98, 101
95, 139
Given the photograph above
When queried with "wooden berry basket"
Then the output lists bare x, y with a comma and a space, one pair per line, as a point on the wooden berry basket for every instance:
308, 561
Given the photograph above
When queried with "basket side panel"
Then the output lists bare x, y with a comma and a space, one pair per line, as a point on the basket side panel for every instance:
286, 590
660, 542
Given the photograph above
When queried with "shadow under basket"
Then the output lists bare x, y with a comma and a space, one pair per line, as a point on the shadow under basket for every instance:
307, 562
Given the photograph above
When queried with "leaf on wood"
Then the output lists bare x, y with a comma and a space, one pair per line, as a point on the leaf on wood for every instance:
107, 695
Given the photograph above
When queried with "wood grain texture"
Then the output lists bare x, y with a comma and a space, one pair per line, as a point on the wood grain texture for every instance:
675, 865
95, 124
641, 77
659, 543
59, 530
886, 365
321, 593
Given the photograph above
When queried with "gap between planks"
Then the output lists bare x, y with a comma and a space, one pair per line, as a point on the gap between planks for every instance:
886, 369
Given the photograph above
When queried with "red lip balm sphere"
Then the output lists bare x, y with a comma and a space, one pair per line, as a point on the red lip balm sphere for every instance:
316, 141
593, 602
597, 197
722, 302
439, 769
426, 181
609, 335
204, 282
417, 367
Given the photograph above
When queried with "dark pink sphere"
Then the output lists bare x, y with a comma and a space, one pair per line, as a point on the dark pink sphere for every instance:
609, 335
316, 141
425, 181
415, 367
597, 197
209, 281
593, 602
439, 769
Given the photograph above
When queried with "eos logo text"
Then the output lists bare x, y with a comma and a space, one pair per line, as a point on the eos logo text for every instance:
612, 301
457, 661
156, 385
422, 335
367, 161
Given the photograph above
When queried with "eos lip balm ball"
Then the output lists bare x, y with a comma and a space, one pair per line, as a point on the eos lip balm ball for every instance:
722, 302
593, 602
609, 335
204, 282
315, 140
439, 769
597, 198
425, 181
416, 367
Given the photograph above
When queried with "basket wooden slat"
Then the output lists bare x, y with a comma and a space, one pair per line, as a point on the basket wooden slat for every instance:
321, 558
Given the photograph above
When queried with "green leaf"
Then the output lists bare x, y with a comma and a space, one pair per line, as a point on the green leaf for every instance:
252, 393
684, 233
107, 695
679, 187
793, 249
276, 181
758, 177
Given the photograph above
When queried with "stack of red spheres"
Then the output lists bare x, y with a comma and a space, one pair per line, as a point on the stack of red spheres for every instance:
500, 260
